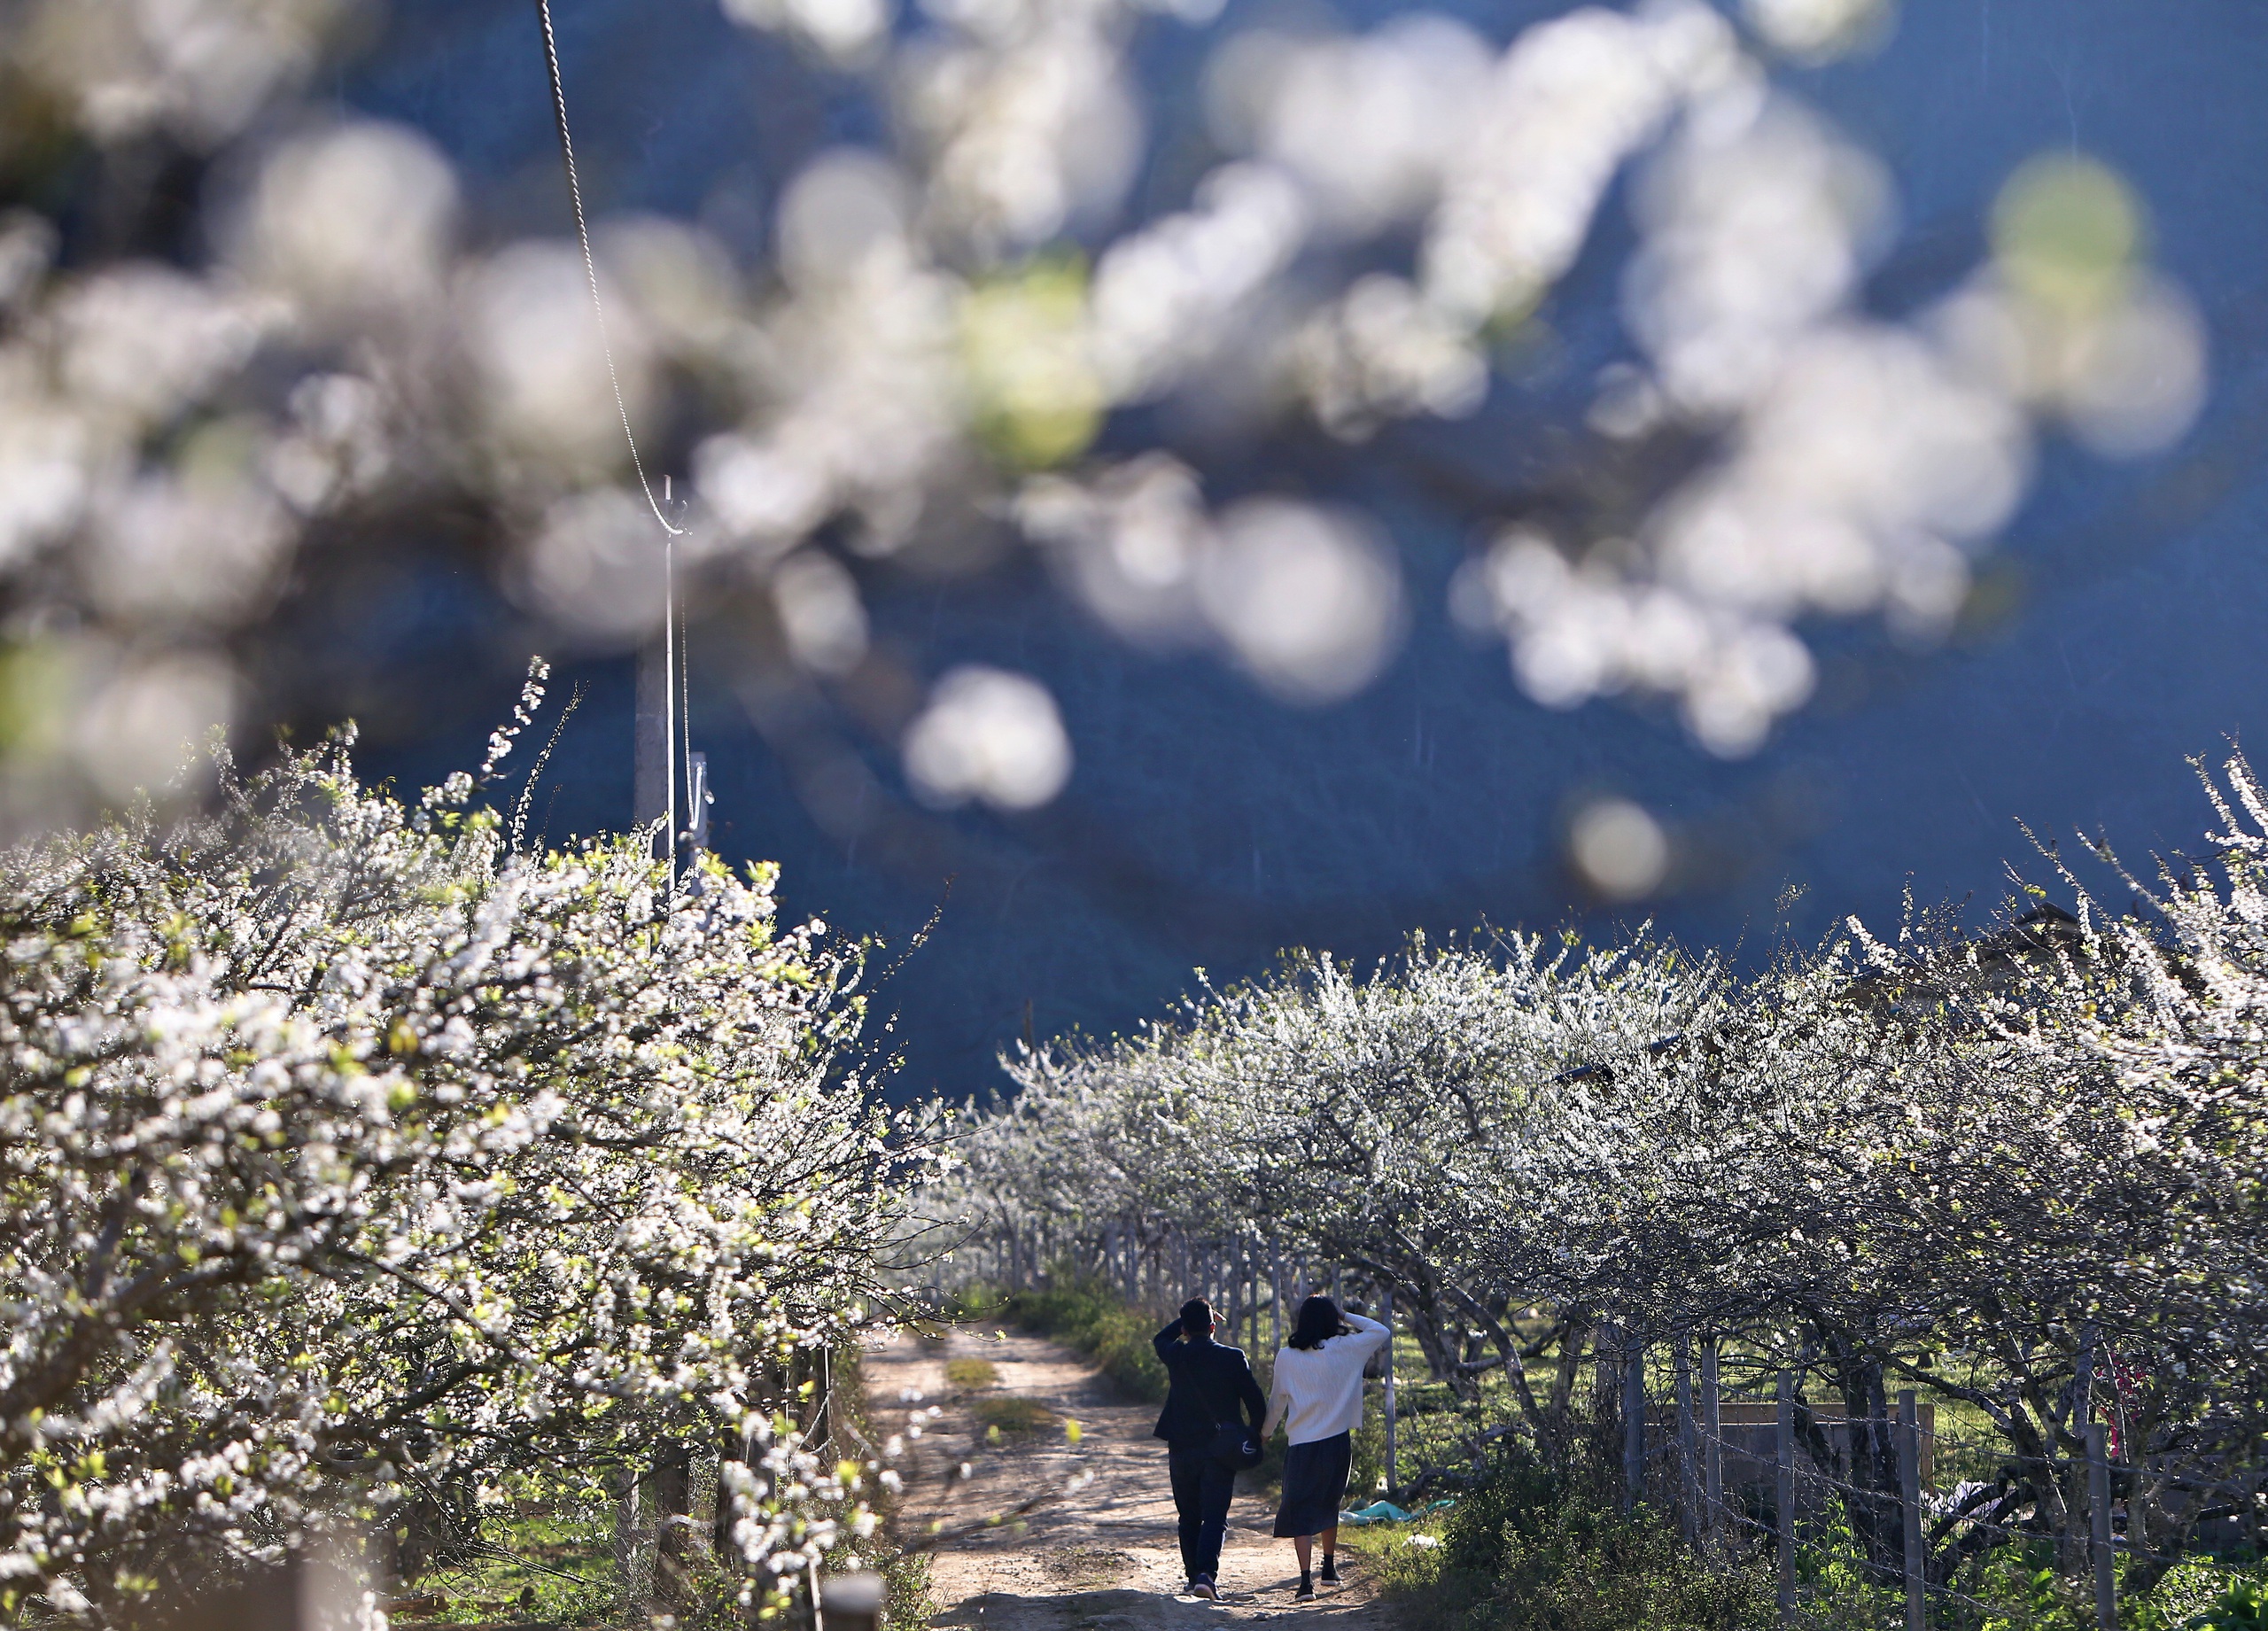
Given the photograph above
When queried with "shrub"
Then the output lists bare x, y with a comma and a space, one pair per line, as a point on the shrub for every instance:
2242, 1606
1548, 1551
1013, 1415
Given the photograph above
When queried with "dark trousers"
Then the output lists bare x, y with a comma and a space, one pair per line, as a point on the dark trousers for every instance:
1201, 1488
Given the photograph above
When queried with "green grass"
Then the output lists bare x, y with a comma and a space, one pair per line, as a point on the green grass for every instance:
972, 1374
1544, 1552
1011, 1413
553, 1565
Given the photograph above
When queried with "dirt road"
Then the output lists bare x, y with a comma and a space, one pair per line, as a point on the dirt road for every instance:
1102, 1554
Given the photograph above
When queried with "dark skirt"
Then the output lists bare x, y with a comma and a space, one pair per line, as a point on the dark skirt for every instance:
1315, 1485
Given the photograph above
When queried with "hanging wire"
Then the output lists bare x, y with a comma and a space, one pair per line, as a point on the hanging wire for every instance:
670, 713
590, 262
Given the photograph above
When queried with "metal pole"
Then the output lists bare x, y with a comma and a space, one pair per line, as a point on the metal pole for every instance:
1688, 1471
1386, 1370
1634, 1417
1909, 1493
1713, 1443
1784, 1493
653, 774
2106, 1585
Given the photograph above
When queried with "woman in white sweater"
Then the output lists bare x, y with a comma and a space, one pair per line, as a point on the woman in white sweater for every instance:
1319, 1396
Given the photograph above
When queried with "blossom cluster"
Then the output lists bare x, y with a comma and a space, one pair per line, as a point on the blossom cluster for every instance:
355, 1164
980, 336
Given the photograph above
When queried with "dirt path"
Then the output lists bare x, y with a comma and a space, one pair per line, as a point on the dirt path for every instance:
1101, 1557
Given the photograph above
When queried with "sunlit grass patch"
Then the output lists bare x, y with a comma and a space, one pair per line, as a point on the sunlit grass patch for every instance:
971, 1374
1009, 1414
554, 1567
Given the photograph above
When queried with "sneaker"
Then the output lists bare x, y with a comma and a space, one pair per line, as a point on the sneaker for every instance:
1206, 1589
1305, 1594
1331, 1570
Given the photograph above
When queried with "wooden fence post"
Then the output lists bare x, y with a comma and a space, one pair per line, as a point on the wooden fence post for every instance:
1386, 1370
852, 1602
629, 1537
1634, 1417
1909, 1491
1712, 1442
2106, 1583
1784, 1496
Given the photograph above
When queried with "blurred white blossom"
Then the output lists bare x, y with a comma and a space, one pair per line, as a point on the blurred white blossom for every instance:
992, 735
1127, 543
2069, 318
819, 612
1618, 848
857, 395
139, 343
1026, 134
1382, 352
1367, 124
1568, 103
337, 446
595, 565
845, 31
353, 222
540, 371
202, 547
148, 718
1755, 222
201, 69
947, 324
1166, 295
27, 246
1816, 31
1308, 600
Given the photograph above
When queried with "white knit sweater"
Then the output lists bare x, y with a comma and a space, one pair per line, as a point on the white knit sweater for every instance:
1318, 1391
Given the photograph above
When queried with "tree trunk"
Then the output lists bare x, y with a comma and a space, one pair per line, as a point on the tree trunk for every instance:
672, 1525
1878, 1519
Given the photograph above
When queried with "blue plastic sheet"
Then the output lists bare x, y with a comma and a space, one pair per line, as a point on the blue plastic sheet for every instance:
1387, 1512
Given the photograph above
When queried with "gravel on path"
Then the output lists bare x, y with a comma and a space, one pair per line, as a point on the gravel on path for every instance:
1097, 1552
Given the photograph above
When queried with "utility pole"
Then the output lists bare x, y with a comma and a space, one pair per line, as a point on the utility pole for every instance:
653, 751
653, 758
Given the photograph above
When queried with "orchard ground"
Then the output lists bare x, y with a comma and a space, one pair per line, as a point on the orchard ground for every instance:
1100, 1555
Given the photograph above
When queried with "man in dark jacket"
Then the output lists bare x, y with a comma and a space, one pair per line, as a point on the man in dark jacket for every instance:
1212, 1385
